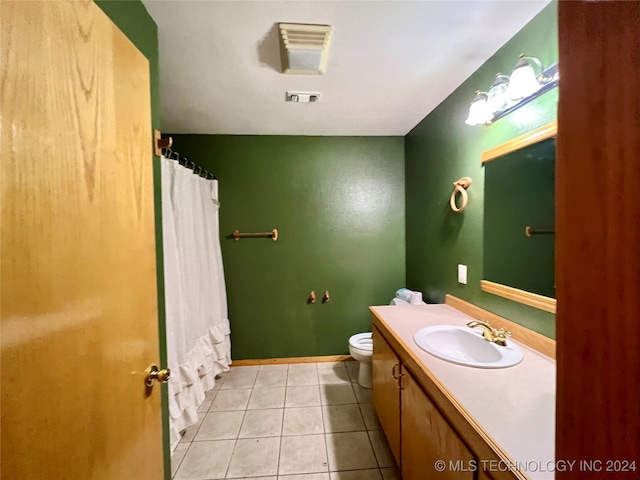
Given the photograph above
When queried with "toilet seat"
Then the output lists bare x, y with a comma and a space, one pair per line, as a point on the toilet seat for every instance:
362, 341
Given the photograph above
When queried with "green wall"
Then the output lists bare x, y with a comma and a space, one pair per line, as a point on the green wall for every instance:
132, 19
441, 149
338, 204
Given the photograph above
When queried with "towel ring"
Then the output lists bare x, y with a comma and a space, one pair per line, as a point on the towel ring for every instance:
461, 186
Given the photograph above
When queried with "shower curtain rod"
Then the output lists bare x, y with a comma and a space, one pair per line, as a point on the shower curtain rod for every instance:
184, 161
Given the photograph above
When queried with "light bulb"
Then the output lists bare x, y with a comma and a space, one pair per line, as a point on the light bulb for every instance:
524, 81
497, 96
479, 112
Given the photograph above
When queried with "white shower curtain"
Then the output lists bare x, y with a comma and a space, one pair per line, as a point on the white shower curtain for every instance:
198, 342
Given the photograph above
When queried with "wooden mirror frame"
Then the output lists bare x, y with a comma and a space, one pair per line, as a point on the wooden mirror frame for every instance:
547, 304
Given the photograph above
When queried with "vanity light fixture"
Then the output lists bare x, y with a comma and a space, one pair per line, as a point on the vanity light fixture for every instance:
507, 94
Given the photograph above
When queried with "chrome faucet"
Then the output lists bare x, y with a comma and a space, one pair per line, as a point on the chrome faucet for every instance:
490, 334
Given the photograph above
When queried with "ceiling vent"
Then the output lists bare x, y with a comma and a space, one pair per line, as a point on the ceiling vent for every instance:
304, 48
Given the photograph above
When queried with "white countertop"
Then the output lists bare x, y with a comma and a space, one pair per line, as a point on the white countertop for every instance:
515, 406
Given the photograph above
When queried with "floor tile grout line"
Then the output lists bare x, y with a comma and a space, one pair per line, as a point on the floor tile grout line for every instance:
279, 455
324, 423
326, 451
281, 429
181, 460
354, 469
226, 473
375, 455
363, 420
200, 422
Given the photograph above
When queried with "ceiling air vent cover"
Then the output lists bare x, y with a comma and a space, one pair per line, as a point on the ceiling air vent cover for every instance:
304, 48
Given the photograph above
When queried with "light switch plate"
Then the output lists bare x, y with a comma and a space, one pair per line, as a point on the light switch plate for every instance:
462, 274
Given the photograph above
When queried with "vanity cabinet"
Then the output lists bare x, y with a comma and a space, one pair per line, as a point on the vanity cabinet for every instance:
427, 438
420, 431
417, 433
386, 394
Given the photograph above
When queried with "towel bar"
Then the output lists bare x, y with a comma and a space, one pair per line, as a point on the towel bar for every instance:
273, 234
530, 231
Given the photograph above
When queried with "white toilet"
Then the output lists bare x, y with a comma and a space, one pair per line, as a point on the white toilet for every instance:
361, 349
361, 344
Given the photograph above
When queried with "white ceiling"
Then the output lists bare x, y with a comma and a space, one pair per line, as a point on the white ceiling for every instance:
390, 62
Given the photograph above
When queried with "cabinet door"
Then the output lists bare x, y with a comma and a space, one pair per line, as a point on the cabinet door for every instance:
427, 438
386, 394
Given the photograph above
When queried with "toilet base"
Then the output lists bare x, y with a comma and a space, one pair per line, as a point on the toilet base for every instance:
365, 378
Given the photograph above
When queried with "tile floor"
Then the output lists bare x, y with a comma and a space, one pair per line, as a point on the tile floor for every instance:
286, 422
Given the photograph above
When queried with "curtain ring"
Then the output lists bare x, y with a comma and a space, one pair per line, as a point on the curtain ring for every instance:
460, 186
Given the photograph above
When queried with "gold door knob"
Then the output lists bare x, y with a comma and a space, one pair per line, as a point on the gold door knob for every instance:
153, 373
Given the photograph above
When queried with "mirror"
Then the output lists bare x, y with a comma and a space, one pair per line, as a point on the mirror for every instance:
519, 211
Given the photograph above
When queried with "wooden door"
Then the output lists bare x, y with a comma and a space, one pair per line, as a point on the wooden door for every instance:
386, 394
79, 309
430, 447
597, 240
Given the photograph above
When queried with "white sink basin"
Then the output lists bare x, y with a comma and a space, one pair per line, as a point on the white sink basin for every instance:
466, 346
